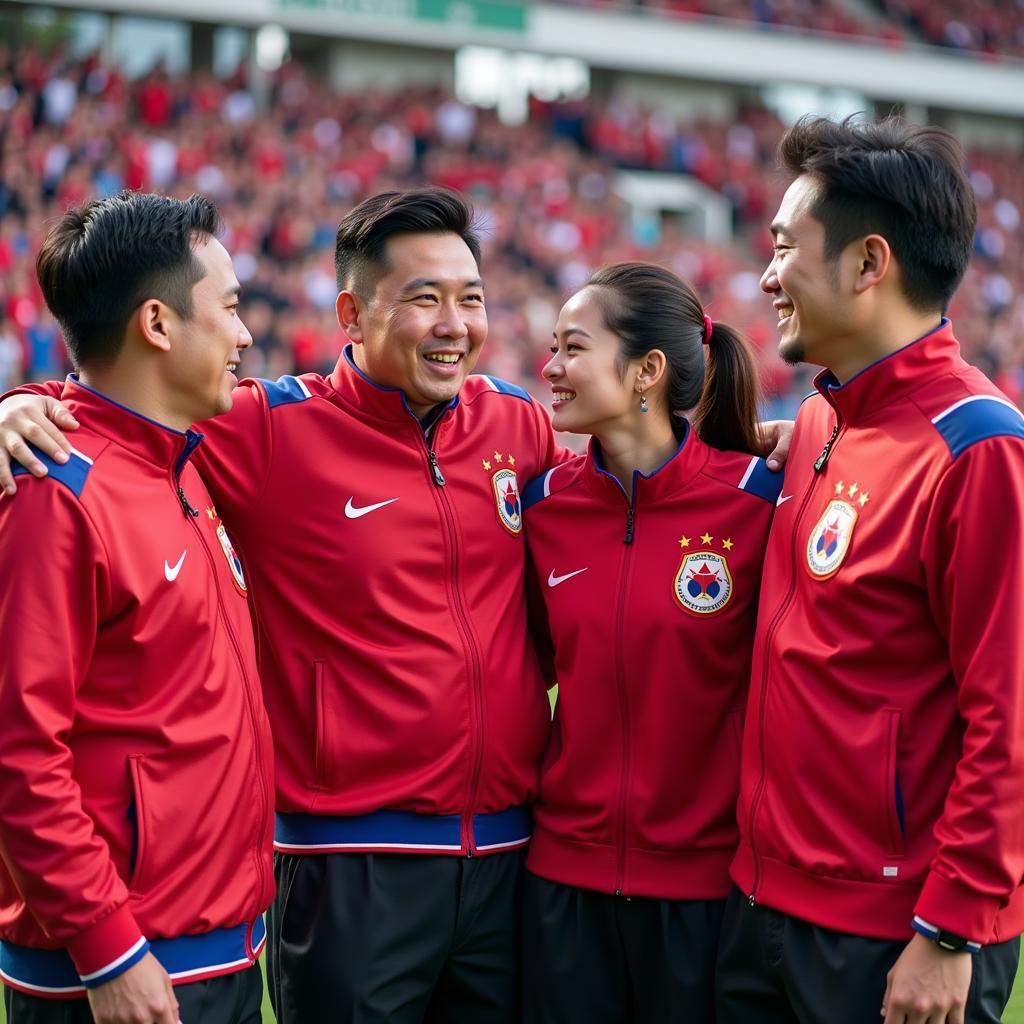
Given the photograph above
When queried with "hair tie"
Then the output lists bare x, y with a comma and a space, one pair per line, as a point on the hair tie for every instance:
709, 326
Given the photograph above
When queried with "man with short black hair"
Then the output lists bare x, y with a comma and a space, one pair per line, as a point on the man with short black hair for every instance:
408, 705
136, 780
882, 831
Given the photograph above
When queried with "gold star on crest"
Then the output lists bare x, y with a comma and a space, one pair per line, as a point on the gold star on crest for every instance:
863, 499
511, 460
211, 512
706, 538
727, 544
486, 464
852, 489
684, 542
839, 487
498, 457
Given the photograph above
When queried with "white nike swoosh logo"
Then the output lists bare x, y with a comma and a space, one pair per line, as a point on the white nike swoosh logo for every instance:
172, 574
554, 580
783, 498
354, 512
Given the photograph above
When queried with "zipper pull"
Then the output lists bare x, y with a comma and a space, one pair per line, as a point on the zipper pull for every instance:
185, 506
435, 468
750, 899
819, 464
628, 539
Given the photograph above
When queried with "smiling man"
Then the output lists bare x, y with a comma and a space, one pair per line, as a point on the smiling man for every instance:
136, 779
408, 706
882, 829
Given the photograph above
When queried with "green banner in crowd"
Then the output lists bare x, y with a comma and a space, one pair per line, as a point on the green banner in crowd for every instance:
490, 14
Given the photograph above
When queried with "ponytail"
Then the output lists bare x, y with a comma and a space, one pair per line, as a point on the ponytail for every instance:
726, 415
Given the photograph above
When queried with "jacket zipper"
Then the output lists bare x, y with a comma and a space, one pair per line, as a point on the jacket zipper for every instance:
435, 469
620, 676
465, 628
773, 627
185, 506
250, 705
192, 441
822, 459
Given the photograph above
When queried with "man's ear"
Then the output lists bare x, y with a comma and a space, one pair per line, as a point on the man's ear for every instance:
349, 308
153, 321
874, 259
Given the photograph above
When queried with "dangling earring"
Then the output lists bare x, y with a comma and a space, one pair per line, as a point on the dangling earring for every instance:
643, 401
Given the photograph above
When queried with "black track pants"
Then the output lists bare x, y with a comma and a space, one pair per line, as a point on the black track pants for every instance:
593, 958
777, 969
362, 938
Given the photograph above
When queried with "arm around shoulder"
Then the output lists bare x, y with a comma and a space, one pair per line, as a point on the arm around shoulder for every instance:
33, 415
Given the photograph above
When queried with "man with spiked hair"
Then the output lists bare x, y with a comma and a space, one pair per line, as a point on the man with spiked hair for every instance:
882, 827
136, 779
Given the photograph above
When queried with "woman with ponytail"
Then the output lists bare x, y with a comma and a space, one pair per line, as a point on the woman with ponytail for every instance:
647, 555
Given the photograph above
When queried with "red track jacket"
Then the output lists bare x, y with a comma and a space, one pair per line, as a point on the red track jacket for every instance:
883, 760
408, 706
136, 774
650, 605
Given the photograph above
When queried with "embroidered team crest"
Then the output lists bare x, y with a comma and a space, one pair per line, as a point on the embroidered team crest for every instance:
234, 563
830, 539
505, 485
506, 492
703, 584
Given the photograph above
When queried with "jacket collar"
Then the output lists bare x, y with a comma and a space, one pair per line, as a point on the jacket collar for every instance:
371, 398
682, 466
152, 441
894, 376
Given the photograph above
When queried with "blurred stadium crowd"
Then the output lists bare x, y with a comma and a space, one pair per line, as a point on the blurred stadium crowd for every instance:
284, 175
989, 28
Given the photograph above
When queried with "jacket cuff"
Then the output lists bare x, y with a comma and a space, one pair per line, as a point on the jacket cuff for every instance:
929, 931
954, 908
108, 948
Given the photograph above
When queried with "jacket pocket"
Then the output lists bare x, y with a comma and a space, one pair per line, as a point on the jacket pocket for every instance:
140, 829
736, 726
322, 767
892, 794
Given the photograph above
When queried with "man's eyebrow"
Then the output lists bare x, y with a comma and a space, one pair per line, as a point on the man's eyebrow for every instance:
778, 228
426, 282
233, 291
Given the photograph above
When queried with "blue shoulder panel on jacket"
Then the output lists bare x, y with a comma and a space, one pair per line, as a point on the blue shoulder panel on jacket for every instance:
504, 388
285, 391
762, 481
537, 489
72, 474
976, 418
